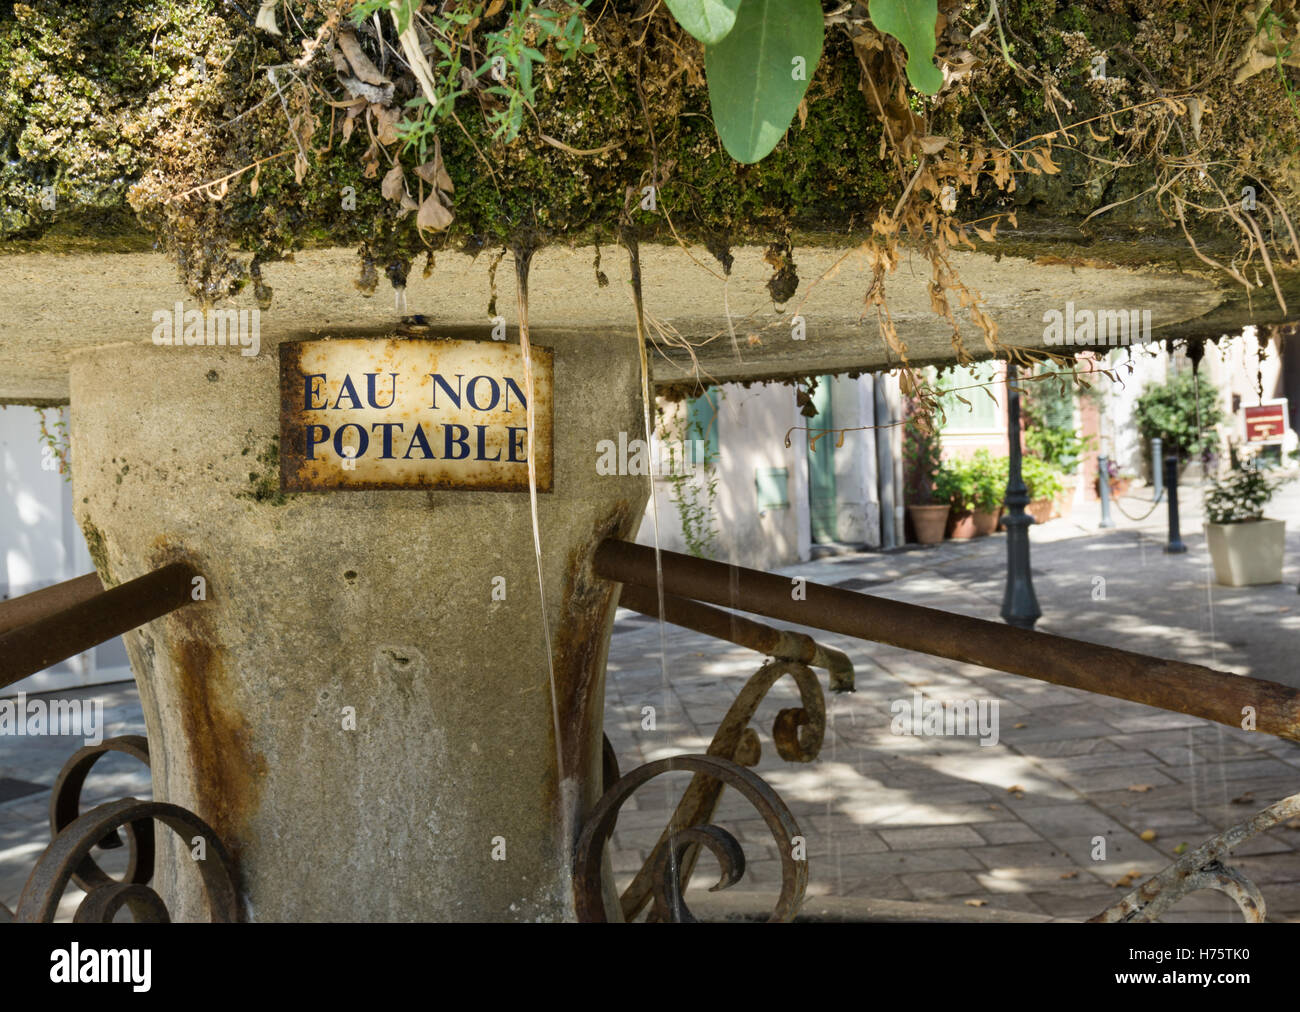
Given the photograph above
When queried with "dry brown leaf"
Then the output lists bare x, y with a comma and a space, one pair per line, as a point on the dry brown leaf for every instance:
394, 185
386, 121
1139, 788
1044, 158
977, 903
433, 215
254, 183
436, 173
371, 161
360, 62
932, 145
1069, 874
380, 95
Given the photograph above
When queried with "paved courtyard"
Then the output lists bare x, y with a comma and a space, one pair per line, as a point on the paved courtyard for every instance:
1011, 826
979, 829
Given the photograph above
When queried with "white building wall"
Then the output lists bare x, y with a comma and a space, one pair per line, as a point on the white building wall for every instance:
751, 430
41, 545
856, 478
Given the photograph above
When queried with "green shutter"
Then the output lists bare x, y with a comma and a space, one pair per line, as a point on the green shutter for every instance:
702, 422
823, 509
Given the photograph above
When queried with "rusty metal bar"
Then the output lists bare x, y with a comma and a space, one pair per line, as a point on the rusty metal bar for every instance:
783, 644
36, 645
39, 603
1219, 696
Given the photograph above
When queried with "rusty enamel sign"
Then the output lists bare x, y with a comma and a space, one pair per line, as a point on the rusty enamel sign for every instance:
390, 414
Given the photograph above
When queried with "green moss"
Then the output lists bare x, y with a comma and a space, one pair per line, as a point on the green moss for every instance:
264, 484
98, 553
78, 91
107, 108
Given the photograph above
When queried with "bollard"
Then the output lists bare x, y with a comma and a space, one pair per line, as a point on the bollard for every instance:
1157, 470
1175, 545
1103, 488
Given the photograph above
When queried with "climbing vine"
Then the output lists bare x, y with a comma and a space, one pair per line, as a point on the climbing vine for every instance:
56, 446
691, 475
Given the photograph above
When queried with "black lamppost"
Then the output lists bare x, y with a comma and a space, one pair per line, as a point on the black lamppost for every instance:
1019, 603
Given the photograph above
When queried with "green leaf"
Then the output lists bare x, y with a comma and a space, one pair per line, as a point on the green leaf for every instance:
710, 21
758, 74
912, 23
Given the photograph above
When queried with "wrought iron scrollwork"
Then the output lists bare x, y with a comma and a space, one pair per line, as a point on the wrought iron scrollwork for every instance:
1204, 868
66, 857
665, 871
797, 732
65, 806
74, 836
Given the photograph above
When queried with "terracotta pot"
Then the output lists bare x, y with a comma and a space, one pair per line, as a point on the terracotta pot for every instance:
1040, 510
929, 522
1063, 505
986, 522
961, 525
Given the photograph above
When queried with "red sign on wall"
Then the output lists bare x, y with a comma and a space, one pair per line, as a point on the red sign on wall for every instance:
1265, 423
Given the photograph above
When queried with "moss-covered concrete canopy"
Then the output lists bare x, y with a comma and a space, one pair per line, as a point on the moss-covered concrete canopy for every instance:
1117, 155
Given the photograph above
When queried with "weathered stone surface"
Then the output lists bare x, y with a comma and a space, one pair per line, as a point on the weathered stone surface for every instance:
381, 601
58, 304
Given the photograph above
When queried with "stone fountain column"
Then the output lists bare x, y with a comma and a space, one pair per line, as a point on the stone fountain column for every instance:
368, 730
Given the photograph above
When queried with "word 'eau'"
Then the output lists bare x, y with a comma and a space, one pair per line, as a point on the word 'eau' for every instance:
218, 327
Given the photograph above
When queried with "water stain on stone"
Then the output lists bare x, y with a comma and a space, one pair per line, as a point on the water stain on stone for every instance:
228, 773
580, 651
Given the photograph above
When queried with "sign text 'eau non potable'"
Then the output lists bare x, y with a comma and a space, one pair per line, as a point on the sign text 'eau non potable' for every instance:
390, 414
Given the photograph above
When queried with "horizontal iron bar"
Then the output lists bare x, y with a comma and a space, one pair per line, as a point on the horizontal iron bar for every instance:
39, 603
783, 644
36, 645
1219, 696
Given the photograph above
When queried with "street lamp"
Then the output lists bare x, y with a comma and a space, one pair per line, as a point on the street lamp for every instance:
1019, 603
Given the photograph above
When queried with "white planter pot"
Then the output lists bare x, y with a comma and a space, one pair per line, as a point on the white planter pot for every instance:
1248, 553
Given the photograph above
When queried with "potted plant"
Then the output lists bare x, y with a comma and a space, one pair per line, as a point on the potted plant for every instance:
1245, 547
1120, 481
1044, 485
928, 486
990, 487
959, 481
1063, 450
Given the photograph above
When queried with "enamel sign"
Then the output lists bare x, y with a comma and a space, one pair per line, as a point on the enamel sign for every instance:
412, 414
